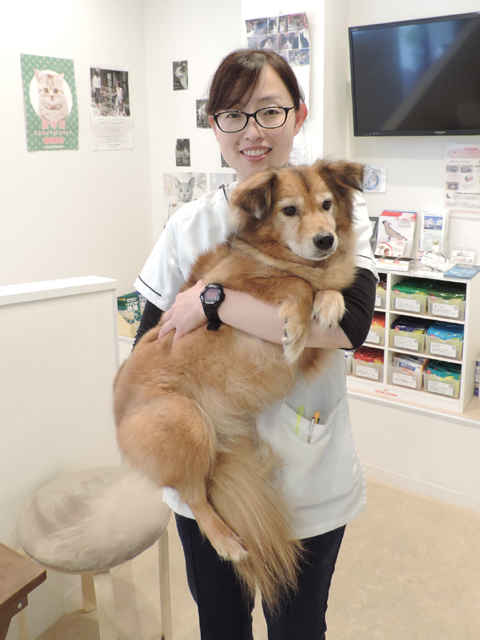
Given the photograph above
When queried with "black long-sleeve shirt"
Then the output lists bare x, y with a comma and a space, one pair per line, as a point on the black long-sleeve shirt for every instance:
359, 304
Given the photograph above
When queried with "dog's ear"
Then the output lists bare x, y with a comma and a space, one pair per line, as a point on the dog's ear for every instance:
253, 199
341, 176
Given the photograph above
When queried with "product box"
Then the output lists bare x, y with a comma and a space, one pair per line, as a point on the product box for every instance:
130, 309
445, 340
410, 295
376, 335
380, 296
408, 333
407, 371
442, 378
445, 307
368, 363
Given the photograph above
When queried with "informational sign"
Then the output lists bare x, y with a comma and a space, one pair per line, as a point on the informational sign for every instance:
462, 178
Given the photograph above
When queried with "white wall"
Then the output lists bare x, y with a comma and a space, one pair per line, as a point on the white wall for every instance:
202, 33
414, 165
71, 213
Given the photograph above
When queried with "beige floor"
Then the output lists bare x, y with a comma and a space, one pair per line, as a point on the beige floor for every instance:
409, 569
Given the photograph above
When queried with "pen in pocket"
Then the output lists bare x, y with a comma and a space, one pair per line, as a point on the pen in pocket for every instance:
315, 420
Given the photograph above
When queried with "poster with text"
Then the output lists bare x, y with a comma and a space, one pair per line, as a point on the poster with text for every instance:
110, 111
50, 99
462, 178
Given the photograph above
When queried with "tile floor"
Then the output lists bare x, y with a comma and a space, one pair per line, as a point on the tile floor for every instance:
409, 569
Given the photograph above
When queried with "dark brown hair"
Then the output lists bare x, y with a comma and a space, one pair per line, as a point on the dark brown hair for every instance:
238, 74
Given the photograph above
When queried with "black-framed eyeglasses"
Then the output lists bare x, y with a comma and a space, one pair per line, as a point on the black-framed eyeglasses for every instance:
268, 118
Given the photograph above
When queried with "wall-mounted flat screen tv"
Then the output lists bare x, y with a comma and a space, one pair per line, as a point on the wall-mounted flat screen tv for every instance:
416, 77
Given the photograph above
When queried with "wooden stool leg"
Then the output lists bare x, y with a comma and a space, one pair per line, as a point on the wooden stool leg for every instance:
105, 606
23, 632
89, 602
164, 576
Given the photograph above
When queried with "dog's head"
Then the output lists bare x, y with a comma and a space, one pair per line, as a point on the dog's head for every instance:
307, 209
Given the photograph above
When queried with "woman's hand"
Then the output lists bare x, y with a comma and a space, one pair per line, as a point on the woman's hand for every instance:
186, 313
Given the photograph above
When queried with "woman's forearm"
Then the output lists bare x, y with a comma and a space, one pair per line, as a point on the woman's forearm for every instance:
260, 319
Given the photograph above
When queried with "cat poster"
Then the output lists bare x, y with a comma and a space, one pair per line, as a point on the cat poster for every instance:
50, 99
180, 188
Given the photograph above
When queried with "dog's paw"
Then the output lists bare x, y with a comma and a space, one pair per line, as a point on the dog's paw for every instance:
328, 308
294, 333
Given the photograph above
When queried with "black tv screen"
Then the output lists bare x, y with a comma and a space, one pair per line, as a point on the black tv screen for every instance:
416, 77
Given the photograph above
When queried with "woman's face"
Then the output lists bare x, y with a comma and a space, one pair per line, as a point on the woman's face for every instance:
254, 148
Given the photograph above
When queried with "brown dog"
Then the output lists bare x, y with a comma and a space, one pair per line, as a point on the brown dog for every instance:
185, 413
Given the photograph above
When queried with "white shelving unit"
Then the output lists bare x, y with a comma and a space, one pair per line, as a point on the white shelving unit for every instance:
383, 389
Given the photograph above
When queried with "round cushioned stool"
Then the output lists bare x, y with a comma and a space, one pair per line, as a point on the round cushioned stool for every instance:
88, 522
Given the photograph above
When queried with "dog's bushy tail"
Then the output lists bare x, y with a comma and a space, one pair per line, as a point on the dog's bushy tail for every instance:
242, 493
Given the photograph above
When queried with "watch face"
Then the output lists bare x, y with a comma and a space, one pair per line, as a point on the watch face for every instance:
211, 296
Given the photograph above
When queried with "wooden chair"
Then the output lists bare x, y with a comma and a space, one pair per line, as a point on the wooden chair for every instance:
88, 522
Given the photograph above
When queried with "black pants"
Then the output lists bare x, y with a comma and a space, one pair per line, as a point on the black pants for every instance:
225, 611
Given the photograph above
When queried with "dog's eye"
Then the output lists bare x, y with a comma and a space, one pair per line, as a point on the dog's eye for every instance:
289, 211
327, 204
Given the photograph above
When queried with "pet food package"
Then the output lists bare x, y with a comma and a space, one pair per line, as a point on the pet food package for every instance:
445, 340
376, 335
130, 309
447, 300
407, 371
410, 295
409, 333
442, 378
368, 363
396, 234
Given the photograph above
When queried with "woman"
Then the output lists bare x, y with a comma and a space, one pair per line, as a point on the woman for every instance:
255, 109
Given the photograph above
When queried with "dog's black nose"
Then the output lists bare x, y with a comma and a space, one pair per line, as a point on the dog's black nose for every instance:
323, 241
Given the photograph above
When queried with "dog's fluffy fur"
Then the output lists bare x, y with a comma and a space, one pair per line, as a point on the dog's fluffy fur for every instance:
185, 412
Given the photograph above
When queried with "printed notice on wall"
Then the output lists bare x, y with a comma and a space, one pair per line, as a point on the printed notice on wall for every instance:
462, 179
50, 98
110, 112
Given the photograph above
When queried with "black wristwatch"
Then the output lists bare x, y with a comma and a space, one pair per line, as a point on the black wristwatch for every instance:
212, 297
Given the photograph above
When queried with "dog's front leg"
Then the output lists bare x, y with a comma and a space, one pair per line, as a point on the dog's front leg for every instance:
328, 308
296, 316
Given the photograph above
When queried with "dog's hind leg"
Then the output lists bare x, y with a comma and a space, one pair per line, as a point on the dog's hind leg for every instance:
171, 440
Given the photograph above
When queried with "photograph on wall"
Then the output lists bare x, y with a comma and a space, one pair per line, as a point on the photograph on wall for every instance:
201, 113
180, 188
462, 178
110, 111
182, 152
180, 75
288, 35
50, 99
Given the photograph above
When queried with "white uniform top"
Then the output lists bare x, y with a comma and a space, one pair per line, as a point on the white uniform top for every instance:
321, 476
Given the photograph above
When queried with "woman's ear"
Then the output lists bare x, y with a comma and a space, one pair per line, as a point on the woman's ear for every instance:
300, 115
